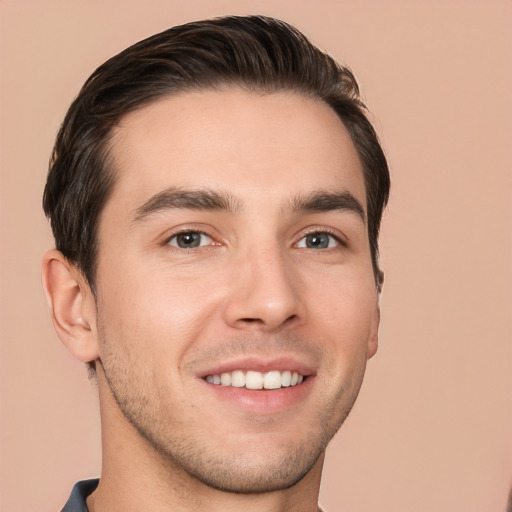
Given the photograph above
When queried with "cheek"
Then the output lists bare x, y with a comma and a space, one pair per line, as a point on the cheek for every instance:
156, 308
344, 312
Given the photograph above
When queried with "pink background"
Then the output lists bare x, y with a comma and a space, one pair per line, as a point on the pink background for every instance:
432, 429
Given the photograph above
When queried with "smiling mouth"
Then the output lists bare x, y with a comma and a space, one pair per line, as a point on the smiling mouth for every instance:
257, 380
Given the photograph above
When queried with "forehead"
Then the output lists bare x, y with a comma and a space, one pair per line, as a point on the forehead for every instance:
257, 146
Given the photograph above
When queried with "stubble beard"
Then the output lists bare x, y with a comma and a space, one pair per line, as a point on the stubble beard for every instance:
188, 455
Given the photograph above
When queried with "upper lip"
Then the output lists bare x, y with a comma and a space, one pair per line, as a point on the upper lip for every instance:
259, 364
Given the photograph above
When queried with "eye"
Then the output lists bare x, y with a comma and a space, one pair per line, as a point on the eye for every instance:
190, 240
318, 240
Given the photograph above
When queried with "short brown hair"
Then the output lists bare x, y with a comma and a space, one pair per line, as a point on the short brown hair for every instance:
254, 52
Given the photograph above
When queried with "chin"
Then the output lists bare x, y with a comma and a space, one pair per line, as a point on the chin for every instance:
241, 475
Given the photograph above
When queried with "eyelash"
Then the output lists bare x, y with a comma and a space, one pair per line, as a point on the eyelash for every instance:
312, 231
325, 231
167, 241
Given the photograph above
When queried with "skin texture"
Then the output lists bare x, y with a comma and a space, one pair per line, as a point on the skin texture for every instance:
165, 315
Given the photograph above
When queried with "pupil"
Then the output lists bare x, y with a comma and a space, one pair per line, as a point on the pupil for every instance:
188, 240
317, 241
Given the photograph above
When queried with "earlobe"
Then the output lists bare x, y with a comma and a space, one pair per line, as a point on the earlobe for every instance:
71, 304
373, 340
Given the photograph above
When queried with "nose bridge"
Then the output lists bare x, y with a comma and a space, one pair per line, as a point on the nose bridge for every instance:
264, 292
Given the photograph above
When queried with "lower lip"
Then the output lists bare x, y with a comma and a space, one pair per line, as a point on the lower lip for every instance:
262, 401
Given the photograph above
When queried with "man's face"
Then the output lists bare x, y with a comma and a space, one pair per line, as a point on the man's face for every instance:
232, 249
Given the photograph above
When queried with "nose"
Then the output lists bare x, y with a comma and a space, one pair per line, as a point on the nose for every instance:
264, 293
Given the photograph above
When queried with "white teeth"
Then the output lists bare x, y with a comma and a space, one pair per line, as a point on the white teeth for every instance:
272, 380
254, 380
257, 380
238, 379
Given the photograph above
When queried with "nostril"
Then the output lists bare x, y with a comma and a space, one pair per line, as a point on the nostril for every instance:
290, 319
251, 320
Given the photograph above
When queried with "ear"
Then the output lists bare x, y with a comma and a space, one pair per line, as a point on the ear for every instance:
373, 340
72, 305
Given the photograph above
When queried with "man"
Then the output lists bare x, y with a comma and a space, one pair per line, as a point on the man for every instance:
215, 194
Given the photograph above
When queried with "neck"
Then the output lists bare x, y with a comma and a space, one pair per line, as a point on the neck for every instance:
135, 478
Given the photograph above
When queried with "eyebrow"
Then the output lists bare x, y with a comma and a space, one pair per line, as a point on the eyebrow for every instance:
187, 199
323, 201
213, 200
